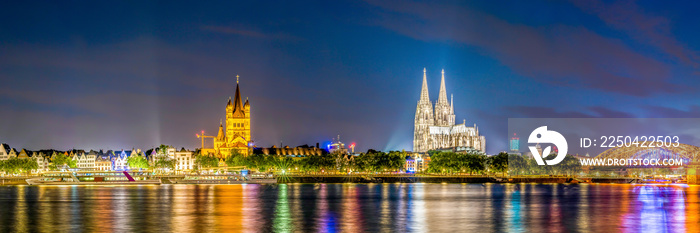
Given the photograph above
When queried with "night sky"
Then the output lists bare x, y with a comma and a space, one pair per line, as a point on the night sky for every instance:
122, 75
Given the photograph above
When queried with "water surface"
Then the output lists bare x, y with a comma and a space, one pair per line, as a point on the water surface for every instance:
352, 208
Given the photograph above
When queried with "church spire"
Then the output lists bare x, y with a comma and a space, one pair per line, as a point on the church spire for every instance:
221, 136
238, 103
424, 97
442, 98
452, 104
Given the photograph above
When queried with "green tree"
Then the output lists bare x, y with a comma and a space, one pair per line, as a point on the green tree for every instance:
236, 159
450, 162
283, 163
517, 165
445, 162
165, 163
569, 166
206, 161
60, 161
136, 161
17, 165
316, 163
163, 149
498, 163
475, 163
377, 161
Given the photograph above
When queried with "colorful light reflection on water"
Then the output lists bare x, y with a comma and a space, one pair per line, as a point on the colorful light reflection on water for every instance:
353, 208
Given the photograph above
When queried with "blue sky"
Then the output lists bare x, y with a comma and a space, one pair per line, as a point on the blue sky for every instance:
134, 74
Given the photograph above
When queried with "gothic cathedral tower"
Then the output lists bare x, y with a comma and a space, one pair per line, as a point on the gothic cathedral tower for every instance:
237, 133
439, 131
444, 112
424, 119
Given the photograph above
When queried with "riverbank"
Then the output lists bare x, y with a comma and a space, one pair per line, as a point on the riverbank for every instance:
406, 179
449, 179
15, 180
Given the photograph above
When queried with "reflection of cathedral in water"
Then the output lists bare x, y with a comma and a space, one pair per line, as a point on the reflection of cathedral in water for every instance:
439, 131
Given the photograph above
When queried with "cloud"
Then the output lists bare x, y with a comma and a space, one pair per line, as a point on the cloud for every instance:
547, 112
542, 112
556, 54
140, 65
143, 92
649, 29
248, 33
609, 113
666, 112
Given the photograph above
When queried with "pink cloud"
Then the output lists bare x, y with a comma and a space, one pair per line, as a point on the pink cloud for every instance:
557, 54
649, 29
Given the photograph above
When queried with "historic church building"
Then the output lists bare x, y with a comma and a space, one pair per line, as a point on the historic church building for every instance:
438, 130
236, 135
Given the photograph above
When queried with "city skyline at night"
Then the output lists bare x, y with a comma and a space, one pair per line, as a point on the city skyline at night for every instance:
350, 116
139, 74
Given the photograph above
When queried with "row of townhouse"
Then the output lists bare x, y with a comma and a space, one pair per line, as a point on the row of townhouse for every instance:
43, 158
99, 160
184, 159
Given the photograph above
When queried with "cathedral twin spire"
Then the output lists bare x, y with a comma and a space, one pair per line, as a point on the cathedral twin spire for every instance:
424, 97
444, 111
438, 130
442, 97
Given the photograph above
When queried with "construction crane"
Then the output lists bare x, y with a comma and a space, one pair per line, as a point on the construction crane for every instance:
203, 137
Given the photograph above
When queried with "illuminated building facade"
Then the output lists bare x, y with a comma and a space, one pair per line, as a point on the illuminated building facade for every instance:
417, 162
103, 162
184, 160
236, 134
438, 130
300, 151
514, 144
337, 147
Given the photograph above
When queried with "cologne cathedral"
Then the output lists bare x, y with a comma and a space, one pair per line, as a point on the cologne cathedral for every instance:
236, 135
439, 131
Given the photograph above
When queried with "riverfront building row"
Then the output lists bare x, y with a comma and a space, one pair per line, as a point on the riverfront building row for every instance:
100, 160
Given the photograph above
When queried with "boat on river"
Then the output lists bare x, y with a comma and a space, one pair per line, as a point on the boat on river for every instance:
93, 178
227, 179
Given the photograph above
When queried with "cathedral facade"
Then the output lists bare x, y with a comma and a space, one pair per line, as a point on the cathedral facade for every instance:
236, 134
436, 129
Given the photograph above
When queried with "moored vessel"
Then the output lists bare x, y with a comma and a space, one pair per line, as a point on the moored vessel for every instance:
93, 178
227, 179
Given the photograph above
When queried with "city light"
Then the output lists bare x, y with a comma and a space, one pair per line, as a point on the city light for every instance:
98, 99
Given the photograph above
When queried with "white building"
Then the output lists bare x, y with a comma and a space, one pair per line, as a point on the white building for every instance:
103, 163
184, 160
41, 160
119, 160
85, 160
417, 162
5, 151
337, 147
436, 131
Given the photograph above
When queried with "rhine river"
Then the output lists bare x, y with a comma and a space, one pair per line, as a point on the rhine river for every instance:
352, 208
